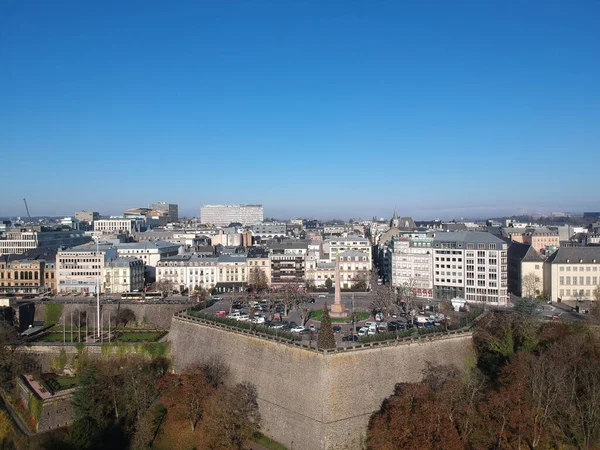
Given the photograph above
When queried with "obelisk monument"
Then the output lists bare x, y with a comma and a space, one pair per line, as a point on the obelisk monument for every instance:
337, 309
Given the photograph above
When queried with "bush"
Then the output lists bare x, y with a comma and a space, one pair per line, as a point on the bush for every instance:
52, 314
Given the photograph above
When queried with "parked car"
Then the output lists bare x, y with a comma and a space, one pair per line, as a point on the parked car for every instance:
313, 327
363, 331
234, 315
371, 331
258, 320
322, 296
350, 338
297, 329
378, 317
336, 328
277, 326
221, 313
382, 326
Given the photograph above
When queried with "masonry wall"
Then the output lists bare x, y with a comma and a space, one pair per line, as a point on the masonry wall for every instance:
156, 314
308, 399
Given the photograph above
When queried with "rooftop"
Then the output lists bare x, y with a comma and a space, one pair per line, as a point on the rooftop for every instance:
580, 255
475, 237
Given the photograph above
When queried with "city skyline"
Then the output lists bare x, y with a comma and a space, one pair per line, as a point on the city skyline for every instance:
325, 110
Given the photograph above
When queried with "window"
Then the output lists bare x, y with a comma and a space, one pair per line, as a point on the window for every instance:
537, 267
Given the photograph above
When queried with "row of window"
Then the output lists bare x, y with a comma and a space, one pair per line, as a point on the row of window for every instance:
581, 268
581, 281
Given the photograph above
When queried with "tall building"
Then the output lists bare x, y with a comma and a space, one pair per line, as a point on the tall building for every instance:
80, 269
87, 216
409, 262
171, 211
118, 226
24, 240
223, 215
472, 265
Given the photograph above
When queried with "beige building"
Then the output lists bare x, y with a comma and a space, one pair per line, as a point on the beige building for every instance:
118, 226
353, 269
188, 271
541, 238
80, 269
123, 275
523, 260
26, 276
25, 240
572, 274
259, 263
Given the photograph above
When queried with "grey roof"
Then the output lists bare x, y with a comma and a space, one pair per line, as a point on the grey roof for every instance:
146, 245
541, 231
575, 255
353, 253
475, 237
123, 262
524, 253
232, 258
325, 265
289, 244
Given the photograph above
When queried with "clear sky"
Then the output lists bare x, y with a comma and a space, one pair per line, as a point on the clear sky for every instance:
314, 108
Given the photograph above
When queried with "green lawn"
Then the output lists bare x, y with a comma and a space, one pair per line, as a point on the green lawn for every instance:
66, 382
261, 439
56, 337
139, 337
317, 314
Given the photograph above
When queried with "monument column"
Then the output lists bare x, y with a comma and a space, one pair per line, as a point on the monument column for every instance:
337, 309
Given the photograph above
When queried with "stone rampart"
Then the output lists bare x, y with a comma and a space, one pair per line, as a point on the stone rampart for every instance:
153, 314
312, 399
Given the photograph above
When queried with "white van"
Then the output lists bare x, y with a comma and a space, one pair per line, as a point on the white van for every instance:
234, 315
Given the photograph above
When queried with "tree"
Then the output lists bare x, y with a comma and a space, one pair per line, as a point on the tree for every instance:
124, 316
200, 293
326, 338
187, 394
328, 283
385, 300
165, 287
303, 307
11, 360
526, 307
257, 279
289, 296
232, 417
360, 281
406, 296
531, 285
596, 307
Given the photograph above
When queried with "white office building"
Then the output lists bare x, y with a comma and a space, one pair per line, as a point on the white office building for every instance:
472, 265
410, 263
22, 241
118, 226
80, 269
223, 215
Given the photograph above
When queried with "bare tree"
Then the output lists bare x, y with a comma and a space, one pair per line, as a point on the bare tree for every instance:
596, 308
165, 287
360, 281
385, 300
289, 295
531, 285
303, 307
407, 294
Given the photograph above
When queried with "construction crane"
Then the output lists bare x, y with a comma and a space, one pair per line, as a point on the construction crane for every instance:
27, 208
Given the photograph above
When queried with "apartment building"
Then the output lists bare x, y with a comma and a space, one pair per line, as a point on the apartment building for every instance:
268, 231
353, 270
410, 263
288, 264
350, 244
123, 275
258, 261
541, 238
232, 272
25, 240
523, 260
572, 274
80, 269
471, 265
188, 271
149, 252
223, 215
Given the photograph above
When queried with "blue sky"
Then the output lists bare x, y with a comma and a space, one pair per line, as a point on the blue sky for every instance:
346, 109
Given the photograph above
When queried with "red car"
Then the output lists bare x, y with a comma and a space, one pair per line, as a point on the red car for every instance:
221, 313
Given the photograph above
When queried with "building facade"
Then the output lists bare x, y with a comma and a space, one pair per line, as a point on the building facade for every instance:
223, 215
123, 275
118, 226
168, 210
80, 270
351, 244
288, 264
472, 265
87, 216
26, 276
410, 263
523, 260
24, 240
188, 271
541, 238
150, 253
572, 274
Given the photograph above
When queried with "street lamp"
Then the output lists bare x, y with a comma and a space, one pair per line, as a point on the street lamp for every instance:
97, 238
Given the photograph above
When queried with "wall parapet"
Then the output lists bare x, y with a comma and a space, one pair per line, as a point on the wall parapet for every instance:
313, 348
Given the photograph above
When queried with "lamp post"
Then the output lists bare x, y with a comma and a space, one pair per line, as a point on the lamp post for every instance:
98, 283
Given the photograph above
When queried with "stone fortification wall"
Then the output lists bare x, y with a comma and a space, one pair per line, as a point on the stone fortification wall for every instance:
309, 399
157, 314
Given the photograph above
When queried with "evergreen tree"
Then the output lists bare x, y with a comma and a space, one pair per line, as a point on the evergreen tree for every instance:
326, 339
